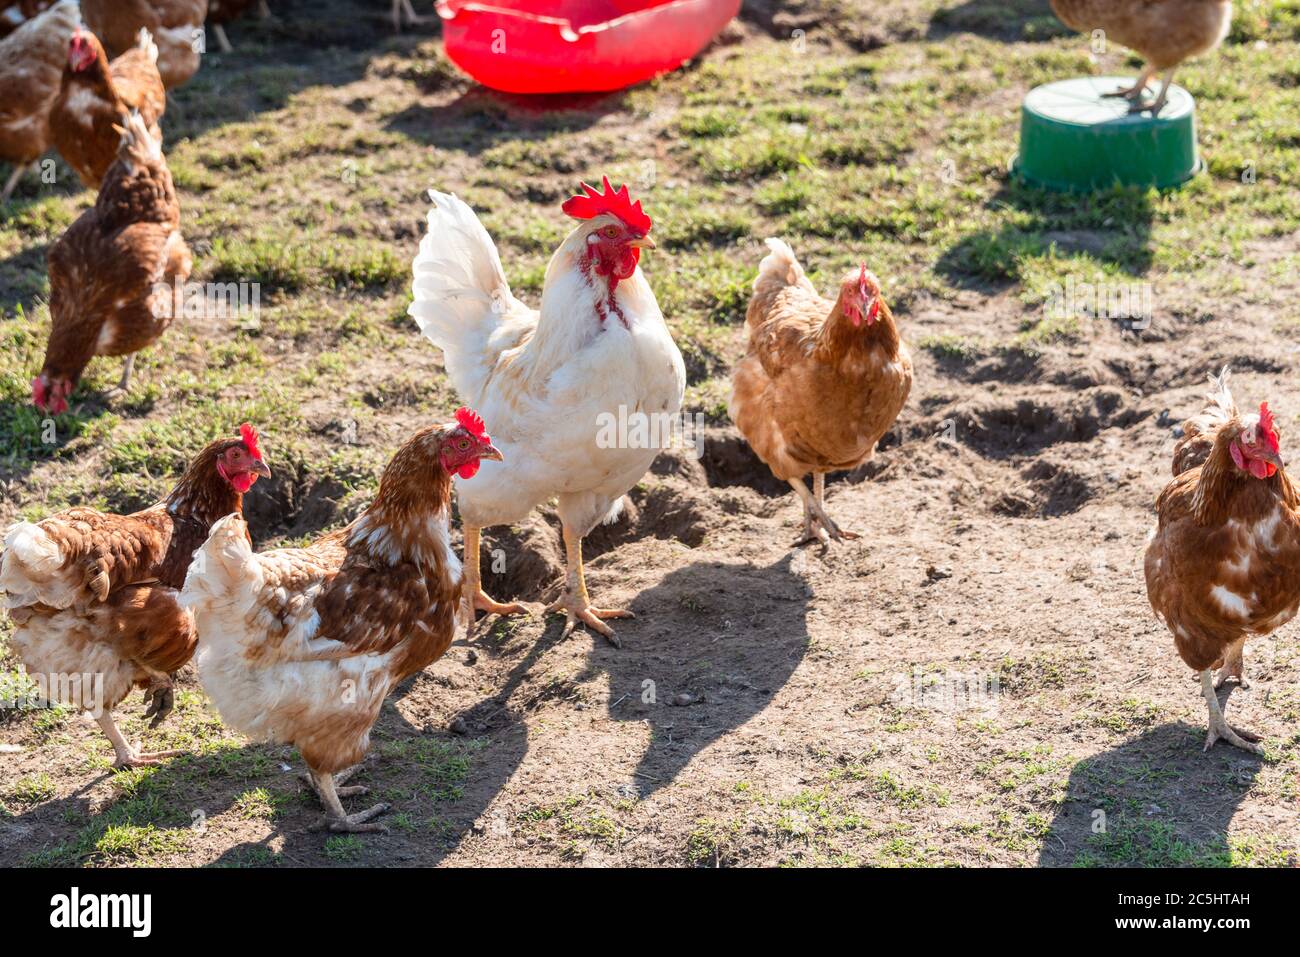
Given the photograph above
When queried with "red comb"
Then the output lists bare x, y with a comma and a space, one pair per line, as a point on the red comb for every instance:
616, 201
249, 435
473, 422
1266, 425
862, 281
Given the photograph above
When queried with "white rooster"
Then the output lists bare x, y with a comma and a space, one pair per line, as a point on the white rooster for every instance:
546, 380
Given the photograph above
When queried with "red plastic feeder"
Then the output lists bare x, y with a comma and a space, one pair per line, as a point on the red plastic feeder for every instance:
577, 46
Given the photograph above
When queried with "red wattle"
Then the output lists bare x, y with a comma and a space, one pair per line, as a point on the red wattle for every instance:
468, 470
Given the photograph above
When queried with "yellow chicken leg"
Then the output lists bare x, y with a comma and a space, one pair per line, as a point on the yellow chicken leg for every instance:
477, 599
574, 603
1219, 727
127, 756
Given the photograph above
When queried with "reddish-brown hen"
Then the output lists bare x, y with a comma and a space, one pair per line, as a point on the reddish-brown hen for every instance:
1164, 32
96, 99
1223, 562
822, 381
31, 71
116, 275
176, 26
93, 596
302, 645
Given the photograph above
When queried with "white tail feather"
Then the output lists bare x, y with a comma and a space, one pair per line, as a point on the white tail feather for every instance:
29, 569
459, 291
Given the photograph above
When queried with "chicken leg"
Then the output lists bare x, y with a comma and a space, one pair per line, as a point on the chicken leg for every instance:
818, 526
477, 599
1234, 666
1135, 92
574, 603
223, 41
336, 819
1219, 727
127, 756
12, 183
403, 7
1160, 100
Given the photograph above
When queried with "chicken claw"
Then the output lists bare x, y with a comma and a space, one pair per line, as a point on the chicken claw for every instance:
126, 755
1219, 727
817, 525
575, 610
160, 698
336, 819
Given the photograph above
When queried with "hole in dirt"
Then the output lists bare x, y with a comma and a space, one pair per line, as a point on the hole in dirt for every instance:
728, 460
1001, 427
1051, 489
293, 504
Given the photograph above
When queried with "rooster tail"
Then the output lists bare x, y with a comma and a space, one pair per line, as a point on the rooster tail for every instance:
459, 290
221, 567
30, 566
144, 41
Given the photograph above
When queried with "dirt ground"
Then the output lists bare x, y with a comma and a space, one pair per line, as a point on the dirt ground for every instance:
978, 680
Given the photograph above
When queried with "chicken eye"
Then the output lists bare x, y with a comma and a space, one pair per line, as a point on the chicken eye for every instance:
610, 231
464, 445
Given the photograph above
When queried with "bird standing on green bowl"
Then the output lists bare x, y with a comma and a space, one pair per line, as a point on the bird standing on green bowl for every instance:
1164, 32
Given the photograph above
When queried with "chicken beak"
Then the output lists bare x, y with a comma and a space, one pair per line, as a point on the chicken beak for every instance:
1272, 458
492, 452
261, 468
645, 242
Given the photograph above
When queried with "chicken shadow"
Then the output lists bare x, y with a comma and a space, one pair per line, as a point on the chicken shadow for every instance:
1111, 226
1009, 20
1155, 801
713, 643
180, 794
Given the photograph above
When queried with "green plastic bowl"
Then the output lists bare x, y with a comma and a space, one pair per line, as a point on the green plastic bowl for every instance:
1075, 139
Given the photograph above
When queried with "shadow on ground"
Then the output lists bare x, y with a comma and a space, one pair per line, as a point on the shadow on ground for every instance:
1113, 228
1154, 801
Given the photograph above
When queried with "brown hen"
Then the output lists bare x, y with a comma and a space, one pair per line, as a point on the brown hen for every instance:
822, 381
117, 274
176, 26
1223, 562
1164, 32
96, 99
31, 71
302, 645
93, 596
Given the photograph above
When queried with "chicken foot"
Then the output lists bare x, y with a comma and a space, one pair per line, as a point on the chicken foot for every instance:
1136, 93
817, 525
1138, 90
127, 756
574, 603
336, 819
160, 698
1219, 727
477, 599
